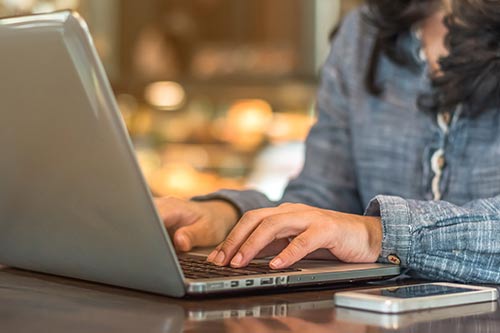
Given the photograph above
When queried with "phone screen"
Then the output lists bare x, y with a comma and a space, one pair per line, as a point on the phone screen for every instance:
417, 291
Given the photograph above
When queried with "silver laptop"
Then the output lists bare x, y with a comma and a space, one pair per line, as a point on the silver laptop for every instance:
73, 201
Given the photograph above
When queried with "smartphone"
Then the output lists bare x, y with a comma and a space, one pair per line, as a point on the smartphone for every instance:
414, 297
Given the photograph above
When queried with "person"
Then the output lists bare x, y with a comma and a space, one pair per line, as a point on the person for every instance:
408, 127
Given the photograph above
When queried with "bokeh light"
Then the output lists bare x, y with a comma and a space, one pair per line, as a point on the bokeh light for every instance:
165, 95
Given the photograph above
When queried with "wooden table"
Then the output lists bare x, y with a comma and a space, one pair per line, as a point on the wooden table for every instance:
31, 302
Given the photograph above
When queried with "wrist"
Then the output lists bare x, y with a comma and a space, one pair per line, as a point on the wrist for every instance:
373, 226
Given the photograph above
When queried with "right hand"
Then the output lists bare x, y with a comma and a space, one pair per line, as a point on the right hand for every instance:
192, 224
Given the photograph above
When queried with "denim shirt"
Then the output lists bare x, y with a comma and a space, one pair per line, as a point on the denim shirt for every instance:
375, 152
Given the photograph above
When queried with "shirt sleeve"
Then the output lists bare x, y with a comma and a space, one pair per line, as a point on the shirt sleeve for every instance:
440, 240
327, 179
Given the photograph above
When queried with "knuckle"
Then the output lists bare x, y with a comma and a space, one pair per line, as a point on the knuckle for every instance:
317, 214
269, 222
248, 216
292, 251
228, 243
300, 243
252, 216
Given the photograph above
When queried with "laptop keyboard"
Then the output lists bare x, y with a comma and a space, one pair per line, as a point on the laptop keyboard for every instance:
195, 267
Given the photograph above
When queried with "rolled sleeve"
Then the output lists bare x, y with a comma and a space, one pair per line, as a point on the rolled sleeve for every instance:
440, 240
396, 227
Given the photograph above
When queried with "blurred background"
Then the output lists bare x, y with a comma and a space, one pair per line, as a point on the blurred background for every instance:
215, 93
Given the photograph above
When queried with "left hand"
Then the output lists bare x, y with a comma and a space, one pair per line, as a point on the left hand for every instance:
348, 237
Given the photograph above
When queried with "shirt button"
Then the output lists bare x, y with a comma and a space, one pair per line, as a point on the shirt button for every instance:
422, 55
393, 259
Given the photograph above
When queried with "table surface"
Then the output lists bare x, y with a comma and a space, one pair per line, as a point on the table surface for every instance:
37, 302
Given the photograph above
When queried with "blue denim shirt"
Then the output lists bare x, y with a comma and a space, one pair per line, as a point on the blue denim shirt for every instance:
375, 152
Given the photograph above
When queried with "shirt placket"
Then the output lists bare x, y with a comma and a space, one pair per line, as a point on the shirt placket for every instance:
438, 160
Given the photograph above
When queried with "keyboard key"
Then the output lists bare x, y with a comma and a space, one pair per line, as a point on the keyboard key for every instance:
198, 268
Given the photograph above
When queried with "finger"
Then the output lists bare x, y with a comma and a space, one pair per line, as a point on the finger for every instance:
305, 243
272, 227
213, 254
193, 235
246, 225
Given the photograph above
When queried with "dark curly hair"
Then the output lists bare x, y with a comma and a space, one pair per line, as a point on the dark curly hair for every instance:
392, 18
470, 74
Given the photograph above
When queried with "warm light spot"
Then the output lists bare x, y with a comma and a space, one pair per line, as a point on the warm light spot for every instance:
181, 180
250, 115
166, 95
247, 122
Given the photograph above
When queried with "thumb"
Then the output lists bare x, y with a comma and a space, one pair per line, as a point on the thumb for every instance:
187, 237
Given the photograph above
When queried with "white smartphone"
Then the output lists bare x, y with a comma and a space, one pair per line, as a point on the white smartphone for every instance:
414, 297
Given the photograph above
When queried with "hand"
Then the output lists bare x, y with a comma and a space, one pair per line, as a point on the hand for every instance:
192, 223
348, 237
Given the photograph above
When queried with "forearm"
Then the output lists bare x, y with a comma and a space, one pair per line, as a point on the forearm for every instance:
440, 240
242, 201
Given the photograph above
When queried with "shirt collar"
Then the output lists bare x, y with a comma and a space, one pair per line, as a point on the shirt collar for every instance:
410, 42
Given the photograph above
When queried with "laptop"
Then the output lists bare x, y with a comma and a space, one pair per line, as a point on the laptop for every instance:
73, 200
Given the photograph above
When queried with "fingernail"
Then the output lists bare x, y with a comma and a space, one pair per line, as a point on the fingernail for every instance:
212, 255
276, 263
237, 259
219, 259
